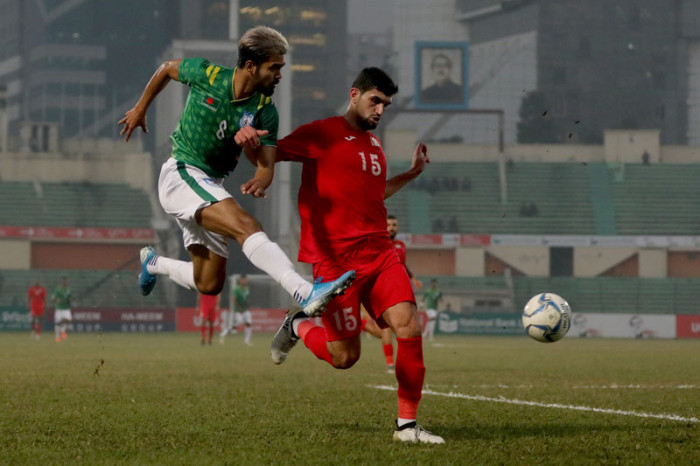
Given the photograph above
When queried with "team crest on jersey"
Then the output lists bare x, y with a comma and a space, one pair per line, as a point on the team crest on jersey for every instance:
374, 141
210, 102
246, 119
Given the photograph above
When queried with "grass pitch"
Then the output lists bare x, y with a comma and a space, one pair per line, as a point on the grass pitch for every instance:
164, 399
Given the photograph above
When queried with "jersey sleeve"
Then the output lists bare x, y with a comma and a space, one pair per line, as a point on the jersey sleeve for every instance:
193, 71
301, 144
268, 119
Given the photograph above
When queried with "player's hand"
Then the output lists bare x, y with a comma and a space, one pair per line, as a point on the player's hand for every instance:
417, 283
255, 187
249, 138
420, 158
132, 120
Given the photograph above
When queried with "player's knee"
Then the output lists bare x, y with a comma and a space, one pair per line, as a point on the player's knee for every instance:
408, 328
210, 287
345, 360
245, 226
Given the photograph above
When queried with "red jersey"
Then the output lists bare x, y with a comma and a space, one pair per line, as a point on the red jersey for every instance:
400, 250
36, 296
341, 199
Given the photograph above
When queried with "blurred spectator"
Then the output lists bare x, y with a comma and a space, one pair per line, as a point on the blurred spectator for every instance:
434, 185
438, 225
529, 209
420, 183
510, 164
645, 158
466, 184
453, 183
453, 225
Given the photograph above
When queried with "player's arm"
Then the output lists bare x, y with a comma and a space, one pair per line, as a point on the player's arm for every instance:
420, 158
136, 117
417, 283
265, 161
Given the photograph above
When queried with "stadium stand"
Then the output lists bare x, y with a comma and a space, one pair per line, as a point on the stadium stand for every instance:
570, 199
617, 294
73, 204
561, 193
656, 199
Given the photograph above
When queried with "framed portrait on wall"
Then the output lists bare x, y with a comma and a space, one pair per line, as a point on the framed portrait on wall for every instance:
442, 77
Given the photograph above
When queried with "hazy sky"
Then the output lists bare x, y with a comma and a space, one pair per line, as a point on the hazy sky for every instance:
369, 15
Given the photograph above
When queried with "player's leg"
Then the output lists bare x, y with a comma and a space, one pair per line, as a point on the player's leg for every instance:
226, 317
338, 341
229, 219
248, 322
370, 326
388, 347
410, 372
392, 291
67, 319
57, 321
429, 331
37, 326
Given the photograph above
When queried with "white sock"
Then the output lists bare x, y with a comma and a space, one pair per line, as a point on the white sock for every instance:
269, 257
402, 422
180, 272
295, 325
248, 333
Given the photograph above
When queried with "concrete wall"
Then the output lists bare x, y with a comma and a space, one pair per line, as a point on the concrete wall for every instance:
399, 145
133, 169
15, 254
592, 261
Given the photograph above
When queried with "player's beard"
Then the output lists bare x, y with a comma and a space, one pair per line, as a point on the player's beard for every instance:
392, 234
368, 124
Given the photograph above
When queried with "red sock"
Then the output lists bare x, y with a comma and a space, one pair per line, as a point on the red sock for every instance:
410, 373
211, 332
204, 332
314, 337
389, 354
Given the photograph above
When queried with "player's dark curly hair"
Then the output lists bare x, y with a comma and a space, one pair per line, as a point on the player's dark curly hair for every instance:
375, 78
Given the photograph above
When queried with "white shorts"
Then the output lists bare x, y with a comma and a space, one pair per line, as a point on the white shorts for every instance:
183, 190
62, 315
242, 318
432, 314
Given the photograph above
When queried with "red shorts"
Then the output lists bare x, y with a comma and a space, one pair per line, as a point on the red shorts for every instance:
36, 311
381, 282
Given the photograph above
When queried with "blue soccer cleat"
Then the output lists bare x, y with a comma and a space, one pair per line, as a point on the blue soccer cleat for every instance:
147, 280
323, 292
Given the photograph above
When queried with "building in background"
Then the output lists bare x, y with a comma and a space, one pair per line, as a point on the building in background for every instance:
562, 71
316, 31
77, 65
596, 65
72, 65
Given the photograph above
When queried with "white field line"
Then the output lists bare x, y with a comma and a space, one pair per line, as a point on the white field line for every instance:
612, 386
669, 417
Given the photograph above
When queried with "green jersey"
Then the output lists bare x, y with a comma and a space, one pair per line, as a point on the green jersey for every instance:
431, 298
61, 298
240, 298
212, 117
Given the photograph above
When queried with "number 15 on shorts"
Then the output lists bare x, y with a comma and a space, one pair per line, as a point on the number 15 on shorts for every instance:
345, 320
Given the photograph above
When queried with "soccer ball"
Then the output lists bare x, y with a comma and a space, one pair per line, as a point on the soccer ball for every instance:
547, 317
